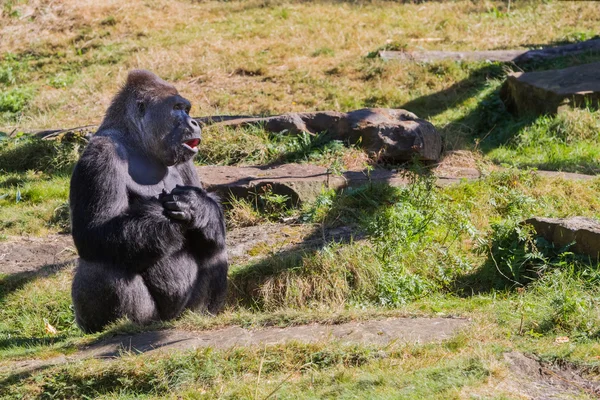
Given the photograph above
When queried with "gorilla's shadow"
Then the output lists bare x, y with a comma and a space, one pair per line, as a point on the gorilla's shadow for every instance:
135, 343
14, 282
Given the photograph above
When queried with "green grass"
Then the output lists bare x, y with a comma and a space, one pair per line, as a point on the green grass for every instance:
422, 243
566, 142
34, 203
292, 370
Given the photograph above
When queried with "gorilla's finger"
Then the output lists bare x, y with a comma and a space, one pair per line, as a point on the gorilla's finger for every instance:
173, 206
180, 189
162, 195
168, 198
179, 215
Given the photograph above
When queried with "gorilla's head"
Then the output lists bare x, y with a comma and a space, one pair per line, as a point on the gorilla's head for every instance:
157, 118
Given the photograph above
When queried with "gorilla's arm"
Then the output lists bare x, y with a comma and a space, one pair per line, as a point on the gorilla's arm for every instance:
107, 225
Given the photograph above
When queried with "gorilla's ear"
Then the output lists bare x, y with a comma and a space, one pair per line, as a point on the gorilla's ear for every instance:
141, 107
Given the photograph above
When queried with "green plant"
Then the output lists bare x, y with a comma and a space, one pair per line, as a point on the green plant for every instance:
13, 101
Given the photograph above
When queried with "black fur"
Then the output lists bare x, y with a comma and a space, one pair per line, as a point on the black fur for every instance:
151, 241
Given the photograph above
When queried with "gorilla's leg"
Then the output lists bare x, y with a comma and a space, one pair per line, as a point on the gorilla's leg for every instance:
210, 289
103, 294
171, 282
218, 288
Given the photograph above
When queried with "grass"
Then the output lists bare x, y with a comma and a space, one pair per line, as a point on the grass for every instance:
312, 371
420, 251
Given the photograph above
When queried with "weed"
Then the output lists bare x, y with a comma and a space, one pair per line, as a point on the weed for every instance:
12, 102
241, 212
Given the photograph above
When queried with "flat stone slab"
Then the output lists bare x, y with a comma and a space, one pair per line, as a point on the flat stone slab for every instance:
372, 332
583, 232
531, 378
516, 56
544, 92
304, 182
28, 253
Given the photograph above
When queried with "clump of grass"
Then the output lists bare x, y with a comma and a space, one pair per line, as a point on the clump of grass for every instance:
241, 212
33, 203
289, 370
333, 276
414, 236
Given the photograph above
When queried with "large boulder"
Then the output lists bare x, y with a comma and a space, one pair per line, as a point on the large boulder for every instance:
544, 92
391, 134
584, 233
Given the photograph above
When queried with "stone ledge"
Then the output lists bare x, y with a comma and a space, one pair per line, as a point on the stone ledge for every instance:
584, 233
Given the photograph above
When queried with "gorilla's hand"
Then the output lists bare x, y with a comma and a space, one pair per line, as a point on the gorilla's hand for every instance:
186, 204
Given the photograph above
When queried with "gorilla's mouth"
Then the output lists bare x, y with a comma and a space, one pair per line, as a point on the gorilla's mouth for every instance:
192, 144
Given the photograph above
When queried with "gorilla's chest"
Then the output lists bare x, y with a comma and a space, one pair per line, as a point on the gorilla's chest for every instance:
149, 180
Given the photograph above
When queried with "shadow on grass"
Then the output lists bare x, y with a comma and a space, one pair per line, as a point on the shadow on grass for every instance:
20, 341
13, 282
271, 282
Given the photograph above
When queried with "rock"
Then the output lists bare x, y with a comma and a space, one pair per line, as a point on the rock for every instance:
396, 135
585, 232
392, 134
544, 92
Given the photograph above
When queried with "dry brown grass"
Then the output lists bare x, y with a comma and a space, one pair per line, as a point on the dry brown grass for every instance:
261, 56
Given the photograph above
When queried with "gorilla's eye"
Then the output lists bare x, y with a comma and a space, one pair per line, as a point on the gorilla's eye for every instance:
182, 106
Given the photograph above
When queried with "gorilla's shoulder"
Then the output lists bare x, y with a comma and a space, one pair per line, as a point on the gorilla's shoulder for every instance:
105, 148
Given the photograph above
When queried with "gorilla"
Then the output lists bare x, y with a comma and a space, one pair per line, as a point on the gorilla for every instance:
151, 240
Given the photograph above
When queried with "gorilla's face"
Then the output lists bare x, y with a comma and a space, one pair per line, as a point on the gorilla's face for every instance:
174, 135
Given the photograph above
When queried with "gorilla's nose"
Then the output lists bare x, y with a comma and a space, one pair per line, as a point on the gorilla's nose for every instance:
194, 126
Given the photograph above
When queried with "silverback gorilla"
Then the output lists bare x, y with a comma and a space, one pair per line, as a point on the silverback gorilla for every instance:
151, 241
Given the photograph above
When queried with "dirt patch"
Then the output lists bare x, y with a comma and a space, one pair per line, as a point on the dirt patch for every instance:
25, 254
374, 332
534, 379
255, 242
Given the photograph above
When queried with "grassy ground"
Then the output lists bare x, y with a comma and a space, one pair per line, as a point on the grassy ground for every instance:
455, 251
